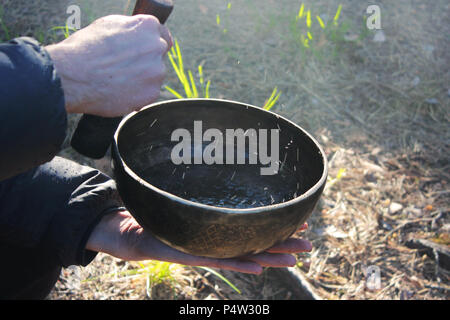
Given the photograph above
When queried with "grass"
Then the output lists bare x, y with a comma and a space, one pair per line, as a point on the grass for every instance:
66, 30
332, 181
154, 273
219, 20
272, 99
310, 31
199, 88
3, 27
221, 277
187, 81
324, 39
157, 273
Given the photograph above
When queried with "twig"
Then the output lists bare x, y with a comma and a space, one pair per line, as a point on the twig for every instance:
439, 252
403, 225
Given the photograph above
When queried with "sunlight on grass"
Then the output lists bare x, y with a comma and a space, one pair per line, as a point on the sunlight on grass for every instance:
307, 38
338, 14
301, 11
67, 31
158, 272
322, 25
332, 181
187, 81
189, 84
272, 99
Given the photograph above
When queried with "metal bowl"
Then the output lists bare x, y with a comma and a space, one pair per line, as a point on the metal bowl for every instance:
217, 210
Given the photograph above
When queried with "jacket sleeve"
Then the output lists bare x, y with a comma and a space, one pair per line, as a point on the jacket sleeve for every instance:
33, 119
45, 204
55, 207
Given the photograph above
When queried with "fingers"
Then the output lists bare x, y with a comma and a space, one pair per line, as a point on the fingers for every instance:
164, 33
244, 266
149, 26
152, 248
238, 265
303, 227
291, 246
276, 260
278, 256
166, 36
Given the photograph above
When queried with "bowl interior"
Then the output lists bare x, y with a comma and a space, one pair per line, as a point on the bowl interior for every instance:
232, 169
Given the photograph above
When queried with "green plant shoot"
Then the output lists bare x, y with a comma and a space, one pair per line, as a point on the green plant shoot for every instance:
187, 81
66, 30
221, 277
307, 38
272, 100
300, 12
3, 26
322, 25
338, 14
308, 19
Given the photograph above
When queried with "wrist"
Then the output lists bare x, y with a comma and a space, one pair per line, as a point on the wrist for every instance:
103, 237
67, 74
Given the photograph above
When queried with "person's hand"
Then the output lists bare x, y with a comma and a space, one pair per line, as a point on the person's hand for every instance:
114, 66
119, 235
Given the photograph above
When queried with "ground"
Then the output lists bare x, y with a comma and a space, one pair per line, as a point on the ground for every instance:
376, 100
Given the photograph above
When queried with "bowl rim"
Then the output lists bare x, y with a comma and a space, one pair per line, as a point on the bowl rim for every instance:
320, 183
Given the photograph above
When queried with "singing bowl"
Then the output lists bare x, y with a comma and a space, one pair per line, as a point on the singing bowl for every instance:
216, 210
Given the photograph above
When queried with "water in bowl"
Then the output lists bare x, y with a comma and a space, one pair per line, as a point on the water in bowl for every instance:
229, 186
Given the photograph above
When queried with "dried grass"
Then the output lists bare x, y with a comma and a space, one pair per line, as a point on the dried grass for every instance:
365, 233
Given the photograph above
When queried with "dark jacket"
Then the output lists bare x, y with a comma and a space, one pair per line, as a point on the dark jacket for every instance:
48, 205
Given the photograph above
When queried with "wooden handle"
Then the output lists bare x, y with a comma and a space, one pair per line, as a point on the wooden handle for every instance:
160, 9
94, 134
